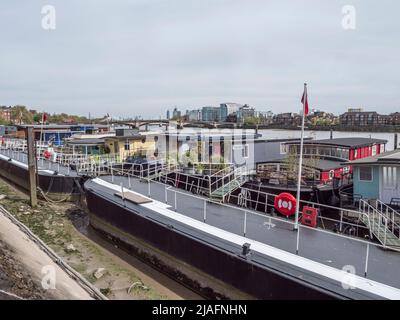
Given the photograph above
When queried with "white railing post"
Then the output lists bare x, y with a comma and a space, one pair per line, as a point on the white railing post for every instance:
298, 239
122, 191
341, 220
205, 210
384, 243
245, 224
175, 202
366, 261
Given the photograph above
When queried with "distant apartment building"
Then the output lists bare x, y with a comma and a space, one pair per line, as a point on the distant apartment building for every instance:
266, 117
210, 114
395, 118
194, 115
286, 118
5, 113
359, 118
245, 112
227, 110
176, 114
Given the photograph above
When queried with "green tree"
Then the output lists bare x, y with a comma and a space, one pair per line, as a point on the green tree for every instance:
21, 115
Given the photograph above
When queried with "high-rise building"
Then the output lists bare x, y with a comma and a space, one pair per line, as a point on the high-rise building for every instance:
211, 114
228, 109
176, 114
194, 115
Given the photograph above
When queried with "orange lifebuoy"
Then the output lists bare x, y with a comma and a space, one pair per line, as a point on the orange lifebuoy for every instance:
285, 203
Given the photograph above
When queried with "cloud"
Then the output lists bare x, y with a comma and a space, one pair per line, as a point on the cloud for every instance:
133, 58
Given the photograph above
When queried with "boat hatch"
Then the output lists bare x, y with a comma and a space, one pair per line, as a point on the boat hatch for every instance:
131, 197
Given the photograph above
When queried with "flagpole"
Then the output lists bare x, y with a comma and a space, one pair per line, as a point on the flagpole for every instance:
296, 225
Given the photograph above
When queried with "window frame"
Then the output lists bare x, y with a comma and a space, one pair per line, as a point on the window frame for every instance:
365, 180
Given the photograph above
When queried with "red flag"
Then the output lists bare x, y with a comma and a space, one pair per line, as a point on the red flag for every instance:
304, 101
44, 117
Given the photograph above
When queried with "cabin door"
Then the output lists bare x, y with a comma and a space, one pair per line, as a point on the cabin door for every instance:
390, 183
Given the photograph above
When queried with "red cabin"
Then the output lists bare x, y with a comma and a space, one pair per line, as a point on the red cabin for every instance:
329, 154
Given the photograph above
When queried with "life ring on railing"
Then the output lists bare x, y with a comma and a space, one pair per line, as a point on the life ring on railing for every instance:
285, 203
47, 154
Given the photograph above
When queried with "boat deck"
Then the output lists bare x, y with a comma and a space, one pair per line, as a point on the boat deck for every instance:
323, 257
45, 167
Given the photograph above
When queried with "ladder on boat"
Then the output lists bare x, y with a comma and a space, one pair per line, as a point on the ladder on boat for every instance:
230, 180
382, 221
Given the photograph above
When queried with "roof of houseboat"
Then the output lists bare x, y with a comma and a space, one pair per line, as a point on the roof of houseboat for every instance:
86, 141
389, 157
346, 142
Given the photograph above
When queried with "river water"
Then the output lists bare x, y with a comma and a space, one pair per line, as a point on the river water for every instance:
282, 134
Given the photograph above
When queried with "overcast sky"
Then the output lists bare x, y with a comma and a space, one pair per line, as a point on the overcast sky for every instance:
139, 57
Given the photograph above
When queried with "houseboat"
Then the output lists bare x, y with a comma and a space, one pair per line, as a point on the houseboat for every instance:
327, 167
378, 178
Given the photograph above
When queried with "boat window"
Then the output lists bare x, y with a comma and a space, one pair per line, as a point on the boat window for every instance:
283, 148
390, 177
245, 151
365, 173
127, 146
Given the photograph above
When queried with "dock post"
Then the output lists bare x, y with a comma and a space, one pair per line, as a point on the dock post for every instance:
129, 180
148, 188
165, 193
32, 168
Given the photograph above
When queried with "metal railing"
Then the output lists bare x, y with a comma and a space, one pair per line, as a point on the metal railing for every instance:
382, 222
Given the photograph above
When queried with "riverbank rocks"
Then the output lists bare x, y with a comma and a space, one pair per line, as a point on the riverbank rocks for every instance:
99, 272
70, 248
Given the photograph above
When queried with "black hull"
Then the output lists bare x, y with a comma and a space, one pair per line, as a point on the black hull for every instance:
55, 186
224, 265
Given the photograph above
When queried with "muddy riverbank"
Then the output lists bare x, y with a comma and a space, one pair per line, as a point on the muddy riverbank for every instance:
64, 227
